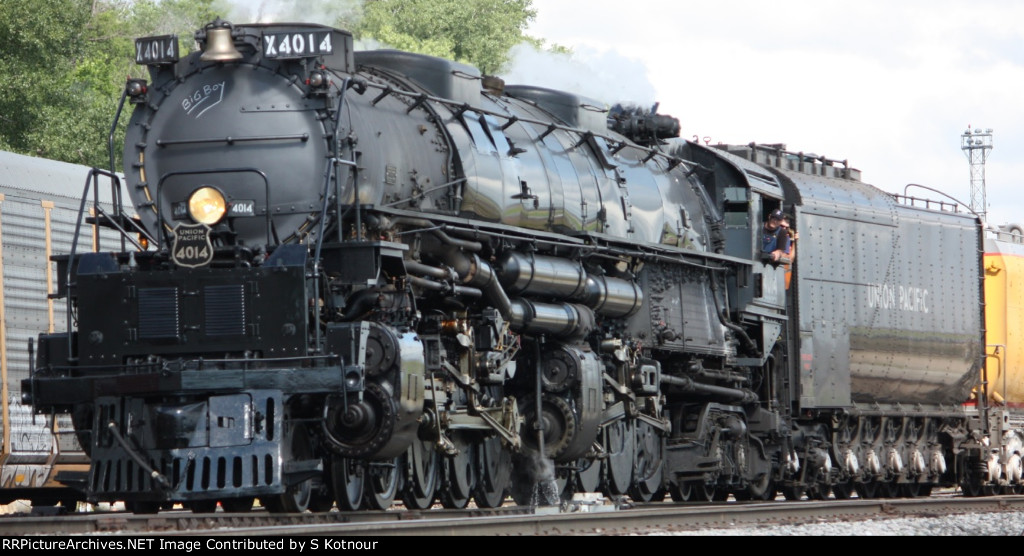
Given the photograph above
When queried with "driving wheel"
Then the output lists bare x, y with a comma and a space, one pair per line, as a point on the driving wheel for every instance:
620, 446
588, 475
649, 465
460, 476
494, 465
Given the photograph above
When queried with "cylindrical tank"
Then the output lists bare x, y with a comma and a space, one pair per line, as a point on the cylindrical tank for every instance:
1004, 317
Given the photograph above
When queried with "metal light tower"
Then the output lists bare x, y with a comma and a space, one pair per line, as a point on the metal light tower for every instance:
976, 145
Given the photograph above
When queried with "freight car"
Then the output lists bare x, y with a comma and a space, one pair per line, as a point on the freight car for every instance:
39, 207
377, 276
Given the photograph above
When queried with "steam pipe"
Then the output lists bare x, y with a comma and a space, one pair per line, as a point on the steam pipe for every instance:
687, 384
442, 287
473, 271
420, 269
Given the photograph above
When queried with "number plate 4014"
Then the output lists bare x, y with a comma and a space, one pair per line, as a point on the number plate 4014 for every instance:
192, 247
297, 45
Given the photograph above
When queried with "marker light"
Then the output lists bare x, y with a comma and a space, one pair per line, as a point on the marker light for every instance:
207, 206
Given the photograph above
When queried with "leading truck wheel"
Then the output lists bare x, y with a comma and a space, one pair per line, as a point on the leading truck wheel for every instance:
296, 497
348, 478
142, 507
238, 505
383, 483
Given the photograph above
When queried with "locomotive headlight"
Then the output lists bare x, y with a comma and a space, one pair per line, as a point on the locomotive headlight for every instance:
207, 206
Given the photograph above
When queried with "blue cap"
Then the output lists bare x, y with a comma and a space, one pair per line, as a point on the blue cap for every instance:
776, 214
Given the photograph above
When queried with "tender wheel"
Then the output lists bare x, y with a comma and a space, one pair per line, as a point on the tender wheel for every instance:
867, 490
889, 489
494, 465
818, 491
238, 505
971, 478
383, 484
915, 490
761, 489
793, 492
296, 498
420, 485
347, 477
843, 490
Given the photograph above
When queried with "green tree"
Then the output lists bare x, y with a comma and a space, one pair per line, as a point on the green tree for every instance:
478, 32
65, 64
41, 41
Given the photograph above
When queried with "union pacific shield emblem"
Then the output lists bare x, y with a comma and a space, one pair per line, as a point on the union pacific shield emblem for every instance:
192, 247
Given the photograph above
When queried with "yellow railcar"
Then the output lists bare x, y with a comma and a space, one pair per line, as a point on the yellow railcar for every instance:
1004, 315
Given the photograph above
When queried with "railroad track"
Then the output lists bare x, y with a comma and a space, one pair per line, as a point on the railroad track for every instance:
579, 519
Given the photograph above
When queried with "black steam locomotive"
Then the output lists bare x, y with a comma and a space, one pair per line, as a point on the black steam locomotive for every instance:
361, 277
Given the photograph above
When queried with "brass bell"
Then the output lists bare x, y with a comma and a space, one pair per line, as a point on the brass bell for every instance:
219, 46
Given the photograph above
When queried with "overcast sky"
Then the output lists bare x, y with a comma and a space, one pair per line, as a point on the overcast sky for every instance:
889, 85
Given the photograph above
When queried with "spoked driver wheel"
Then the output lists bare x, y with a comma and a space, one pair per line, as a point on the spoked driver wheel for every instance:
297, 447
348, 477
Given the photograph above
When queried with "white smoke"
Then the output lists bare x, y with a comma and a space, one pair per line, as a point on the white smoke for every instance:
336, 13
606, 76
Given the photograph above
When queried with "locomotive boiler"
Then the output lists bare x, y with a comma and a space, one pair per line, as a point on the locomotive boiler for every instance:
361, 277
